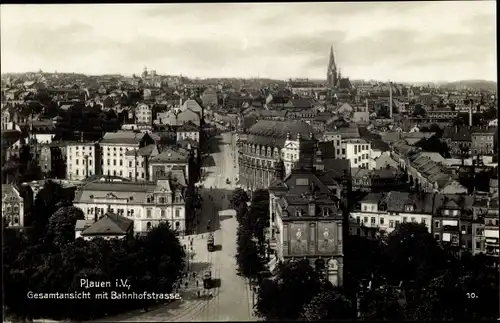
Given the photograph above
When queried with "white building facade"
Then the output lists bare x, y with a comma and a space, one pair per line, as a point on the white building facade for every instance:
146, 204
357, 151
82, 160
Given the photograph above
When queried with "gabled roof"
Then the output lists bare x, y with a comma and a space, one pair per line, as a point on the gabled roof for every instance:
110, 224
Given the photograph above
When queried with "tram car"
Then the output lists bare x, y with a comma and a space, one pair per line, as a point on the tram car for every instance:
210, 242
207, 279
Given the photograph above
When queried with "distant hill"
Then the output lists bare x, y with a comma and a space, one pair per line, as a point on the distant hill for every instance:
474, 84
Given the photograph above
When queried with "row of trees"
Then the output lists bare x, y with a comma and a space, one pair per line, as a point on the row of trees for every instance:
46, 258
250, 235
405, 276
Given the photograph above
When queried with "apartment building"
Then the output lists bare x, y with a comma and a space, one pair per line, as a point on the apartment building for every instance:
82, 160
114, 146
381, 213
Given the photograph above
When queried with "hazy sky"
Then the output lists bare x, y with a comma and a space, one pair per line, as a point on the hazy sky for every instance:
406, 41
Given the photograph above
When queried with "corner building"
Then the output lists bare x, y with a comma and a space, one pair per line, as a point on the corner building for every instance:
265, 144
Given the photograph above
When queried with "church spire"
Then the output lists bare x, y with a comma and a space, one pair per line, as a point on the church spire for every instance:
331, 63
331, 74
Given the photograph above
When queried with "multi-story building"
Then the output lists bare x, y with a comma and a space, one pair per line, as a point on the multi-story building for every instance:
12, 206
484, 141
453, 220
357, 151
51, 159
166, 161
143, 114
137, 162
188, 131
381, 213
147, 204
491, 228
113, 147
83, 160
267, 142
306, 221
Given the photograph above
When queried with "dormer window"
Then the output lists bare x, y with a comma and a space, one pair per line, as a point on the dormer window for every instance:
326, 212
298, 213
409, 208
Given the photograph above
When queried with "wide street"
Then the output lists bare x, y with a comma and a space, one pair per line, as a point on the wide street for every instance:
231, 297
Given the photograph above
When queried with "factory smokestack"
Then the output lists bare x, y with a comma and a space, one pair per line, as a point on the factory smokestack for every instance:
390, 100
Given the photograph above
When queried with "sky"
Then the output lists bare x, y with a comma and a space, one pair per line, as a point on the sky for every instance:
399, 41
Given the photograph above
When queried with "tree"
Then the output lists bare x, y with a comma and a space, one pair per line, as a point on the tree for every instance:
434, 144
414, 257
238, 197
248, 260
61, 226
328, 305
381, 304
419, 111
284, 296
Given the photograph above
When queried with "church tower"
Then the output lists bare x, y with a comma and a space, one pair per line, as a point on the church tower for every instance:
331, 73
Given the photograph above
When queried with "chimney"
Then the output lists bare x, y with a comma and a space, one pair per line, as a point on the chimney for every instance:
470, 116
390, 100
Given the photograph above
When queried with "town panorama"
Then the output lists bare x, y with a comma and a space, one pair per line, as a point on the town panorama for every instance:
161, 197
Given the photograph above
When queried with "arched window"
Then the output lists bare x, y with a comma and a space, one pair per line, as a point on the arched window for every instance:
9, 208
16, 208
148, 226
177, 225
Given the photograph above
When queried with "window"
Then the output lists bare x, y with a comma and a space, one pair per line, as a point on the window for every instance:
177, 225
162, 213
391, 223
90, 162
148, 226
478, 245
365, 208
162, 200
413, 219
436, 237
114, 162
77, 172
129, 174
404, 219
358, 220
148, 213
373, 220
365, 219
343, 151
423, 221
142, 175
130, 164
381, 220
436, 224
121, 162
397, 223
108, 162
177, 212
